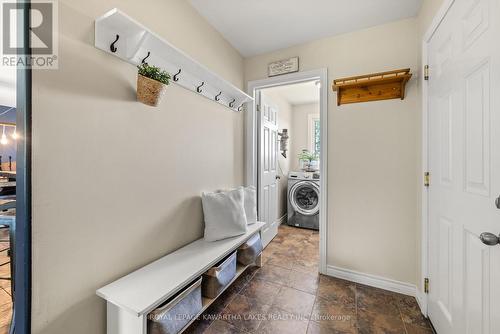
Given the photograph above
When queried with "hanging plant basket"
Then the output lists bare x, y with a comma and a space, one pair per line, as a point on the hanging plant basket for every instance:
151, 84
149, 91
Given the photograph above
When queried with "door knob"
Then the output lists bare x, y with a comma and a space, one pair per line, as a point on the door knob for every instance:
489, 239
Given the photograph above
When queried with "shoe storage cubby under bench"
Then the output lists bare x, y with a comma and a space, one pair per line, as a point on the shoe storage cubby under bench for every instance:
131, 298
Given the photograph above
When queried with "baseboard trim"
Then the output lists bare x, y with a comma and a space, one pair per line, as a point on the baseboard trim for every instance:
373, 280
421, 301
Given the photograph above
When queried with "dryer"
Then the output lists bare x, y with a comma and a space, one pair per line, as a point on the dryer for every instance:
303, 200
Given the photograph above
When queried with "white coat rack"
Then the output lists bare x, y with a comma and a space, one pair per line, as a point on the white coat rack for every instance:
118, 34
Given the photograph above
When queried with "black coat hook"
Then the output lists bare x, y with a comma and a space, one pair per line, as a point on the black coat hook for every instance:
217, 97
240, 108
176, 75
198, 89
112, 47
231, 104
144, 59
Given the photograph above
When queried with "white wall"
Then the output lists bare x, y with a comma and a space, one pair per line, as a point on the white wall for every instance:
116, 184
300, 130
284, 122
372, 162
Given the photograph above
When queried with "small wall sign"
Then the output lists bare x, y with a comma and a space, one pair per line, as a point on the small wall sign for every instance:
284, 66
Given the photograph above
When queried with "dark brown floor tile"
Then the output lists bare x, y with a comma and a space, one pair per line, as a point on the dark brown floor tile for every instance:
243, 280
221, 302
407, 302
410, 312
244, 313
374, 323
336, 290
324, 311
371, 299
309, 268
271, 248
262, 291
273, 274
303, 281
280, 260
211, 314
316, 328
332, 317
416, 319
279, 321
267, 253
411, 329
308, 253
198, 327
249, 273
222, 327
284, 251
295, 301
314, 235
307, 262
279, 239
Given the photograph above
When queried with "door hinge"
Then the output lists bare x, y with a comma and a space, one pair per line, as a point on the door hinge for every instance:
427, 179
258, 107
426, 285
426, 72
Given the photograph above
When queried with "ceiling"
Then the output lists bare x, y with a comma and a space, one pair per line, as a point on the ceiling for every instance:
301, 93
259, 26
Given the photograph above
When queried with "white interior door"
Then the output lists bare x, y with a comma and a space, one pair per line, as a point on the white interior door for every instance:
267, 118
464, 159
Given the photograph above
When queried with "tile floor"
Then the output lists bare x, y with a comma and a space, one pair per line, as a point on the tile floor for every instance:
287, 295
5, 298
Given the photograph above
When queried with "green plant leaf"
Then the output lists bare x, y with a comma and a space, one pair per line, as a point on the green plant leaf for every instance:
153, 72
305, 155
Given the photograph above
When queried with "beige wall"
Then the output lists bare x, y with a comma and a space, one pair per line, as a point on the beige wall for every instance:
116, 183
300, 130
372, 162
99, 214
284, 122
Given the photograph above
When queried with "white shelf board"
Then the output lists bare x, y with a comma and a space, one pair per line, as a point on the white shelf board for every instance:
134, 43
143, 290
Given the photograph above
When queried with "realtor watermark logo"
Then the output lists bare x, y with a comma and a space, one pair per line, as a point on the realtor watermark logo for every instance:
43, 34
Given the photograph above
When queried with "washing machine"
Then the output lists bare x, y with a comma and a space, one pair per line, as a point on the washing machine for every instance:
303, 200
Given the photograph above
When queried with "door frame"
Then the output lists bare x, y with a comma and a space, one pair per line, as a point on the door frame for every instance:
422, 297
22, 255
251, 147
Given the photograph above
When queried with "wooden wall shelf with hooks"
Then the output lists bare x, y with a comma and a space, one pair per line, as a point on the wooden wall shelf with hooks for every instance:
372, 87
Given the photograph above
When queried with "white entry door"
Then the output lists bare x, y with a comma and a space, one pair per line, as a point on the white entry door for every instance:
267, 118
464, 159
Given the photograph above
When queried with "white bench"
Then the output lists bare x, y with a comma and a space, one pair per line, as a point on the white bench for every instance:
131, 298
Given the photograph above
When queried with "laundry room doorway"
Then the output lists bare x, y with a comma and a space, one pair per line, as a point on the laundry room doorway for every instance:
286, 160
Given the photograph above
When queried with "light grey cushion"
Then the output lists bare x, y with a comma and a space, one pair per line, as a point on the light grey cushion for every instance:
250, 199
224, 214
